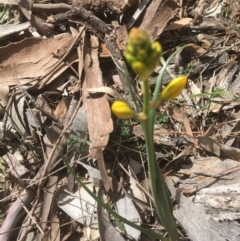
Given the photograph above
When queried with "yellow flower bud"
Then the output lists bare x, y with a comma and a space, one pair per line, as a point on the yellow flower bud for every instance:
156, 47
138, 39
141, 69
122, 110
174, 88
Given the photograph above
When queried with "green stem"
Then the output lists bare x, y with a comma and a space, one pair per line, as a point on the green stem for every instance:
146, 96
159, 189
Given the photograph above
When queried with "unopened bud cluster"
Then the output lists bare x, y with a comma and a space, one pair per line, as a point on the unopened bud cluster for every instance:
143, 56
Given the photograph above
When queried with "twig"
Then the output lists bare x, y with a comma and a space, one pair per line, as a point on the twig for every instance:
50, 8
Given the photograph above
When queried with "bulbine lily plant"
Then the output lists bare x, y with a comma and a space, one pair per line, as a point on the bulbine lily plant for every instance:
143, 56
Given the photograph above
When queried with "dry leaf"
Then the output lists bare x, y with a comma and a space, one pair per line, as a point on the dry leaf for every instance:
33, 58
179, 24
61, 109
80, 206
209, 145
126, 208
103, 89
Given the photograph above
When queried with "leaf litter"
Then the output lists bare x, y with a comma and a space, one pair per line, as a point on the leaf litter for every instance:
55, 96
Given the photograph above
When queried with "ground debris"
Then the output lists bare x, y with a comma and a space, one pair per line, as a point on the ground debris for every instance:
60, 71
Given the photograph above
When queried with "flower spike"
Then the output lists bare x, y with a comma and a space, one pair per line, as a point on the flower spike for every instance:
141, 54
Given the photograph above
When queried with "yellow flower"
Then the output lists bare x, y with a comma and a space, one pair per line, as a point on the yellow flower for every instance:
122, 110
174, 88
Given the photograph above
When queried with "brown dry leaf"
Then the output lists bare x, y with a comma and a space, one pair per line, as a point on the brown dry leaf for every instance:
111, 185
206, 44
215, 107
209, 145
230, 152
106, 90
222, 150
150, 13
195, 50
96, 105
43, 104
180, 116
61, 109
226, 129
33, 58
179, 24
156, 18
